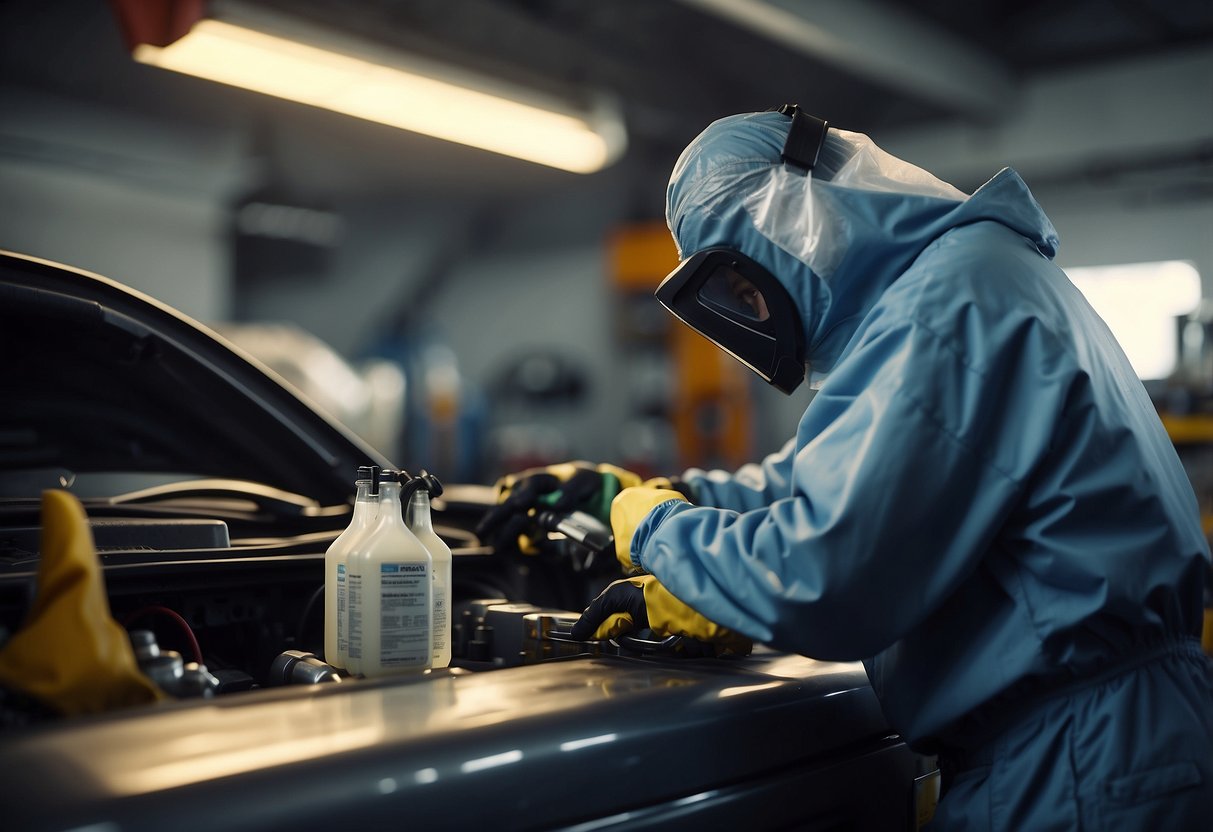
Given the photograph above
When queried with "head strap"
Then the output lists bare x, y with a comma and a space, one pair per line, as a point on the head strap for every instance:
805, 137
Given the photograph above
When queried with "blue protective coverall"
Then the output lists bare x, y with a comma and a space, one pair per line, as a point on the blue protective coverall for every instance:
980, 502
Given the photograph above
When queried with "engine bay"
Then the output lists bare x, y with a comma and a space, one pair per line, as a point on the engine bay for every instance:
213, 490
228, 576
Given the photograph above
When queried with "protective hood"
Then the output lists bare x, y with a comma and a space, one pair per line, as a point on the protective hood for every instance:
835, 237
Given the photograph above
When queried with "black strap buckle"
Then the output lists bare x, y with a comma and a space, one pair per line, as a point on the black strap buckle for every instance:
805, 137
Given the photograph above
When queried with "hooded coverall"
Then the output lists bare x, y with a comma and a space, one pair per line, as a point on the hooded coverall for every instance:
980, 502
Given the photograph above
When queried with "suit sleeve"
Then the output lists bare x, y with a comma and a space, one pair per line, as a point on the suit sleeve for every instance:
752, 486
917, 447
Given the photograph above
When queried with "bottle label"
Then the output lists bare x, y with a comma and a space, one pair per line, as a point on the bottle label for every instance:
404, 614
343, 637
440, 614
354, 605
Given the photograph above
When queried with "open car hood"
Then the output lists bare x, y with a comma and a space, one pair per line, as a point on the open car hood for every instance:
98, 378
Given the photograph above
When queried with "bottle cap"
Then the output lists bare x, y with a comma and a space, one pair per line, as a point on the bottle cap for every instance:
370, 472
432, 483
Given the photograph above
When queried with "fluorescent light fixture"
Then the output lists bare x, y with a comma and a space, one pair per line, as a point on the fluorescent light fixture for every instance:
423, 99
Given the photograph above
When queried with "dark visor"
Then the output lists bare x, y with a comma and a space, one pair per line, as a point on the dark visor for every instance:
739, 306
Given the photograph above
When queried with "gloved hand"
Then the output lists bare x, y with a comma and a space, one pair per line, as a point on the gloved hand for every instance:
641, 602
628, 509
563, 488
71, 654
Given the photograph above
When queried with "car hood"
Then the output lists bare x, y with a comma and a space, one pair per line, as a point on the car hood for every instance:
97, 378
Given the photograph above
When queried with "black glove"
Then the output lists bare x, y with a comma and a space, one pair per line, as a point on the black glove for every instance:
561, 489
618, 609
641, 602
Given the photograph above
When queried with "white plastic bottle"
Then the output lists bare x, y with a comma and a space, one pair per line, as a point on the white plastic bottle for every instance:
422, 525
390, 592
336, 639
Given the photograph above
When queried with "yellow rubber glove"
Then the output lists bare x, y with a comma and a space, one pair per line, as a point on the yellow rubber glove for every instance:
628, 509
70, 653
642, 602
563, 488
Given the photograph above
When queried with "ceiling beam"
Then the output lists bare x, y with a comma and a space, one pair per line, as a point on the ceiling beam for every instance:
1082, 121
881, 45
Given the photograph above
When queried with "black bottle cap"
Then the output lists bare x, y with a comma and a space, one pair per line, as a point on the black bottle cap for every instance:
370, 472
432, 484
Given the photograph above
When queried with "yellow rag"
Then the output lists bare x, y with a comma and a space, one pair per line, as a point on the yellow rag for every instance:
70, 653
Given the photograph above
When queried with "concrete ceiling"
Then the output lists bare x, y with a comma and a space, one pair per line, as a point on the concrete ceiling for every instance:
673, 66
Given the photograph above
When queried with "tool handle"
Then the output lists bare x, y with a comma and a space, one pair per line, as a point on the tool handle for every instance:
580, 527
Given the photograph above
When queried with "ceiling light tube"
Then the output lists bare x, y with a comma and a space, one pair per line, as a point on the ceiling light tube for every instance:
420, 98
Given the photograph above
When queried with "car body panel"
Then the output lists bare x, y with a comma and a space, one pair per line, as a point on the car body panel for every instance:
535, 746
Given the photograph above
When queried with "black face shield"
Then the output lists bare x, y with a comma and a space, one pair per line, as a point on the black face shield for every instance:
741, 308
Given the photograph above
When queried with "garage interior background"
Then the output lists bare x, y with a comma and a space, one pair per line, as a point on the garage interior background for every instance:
511, 302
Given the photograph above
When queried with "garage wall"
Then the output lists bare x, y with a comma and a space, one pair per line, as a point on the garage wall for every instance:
163, 244
1120, 157
389, 249
135, 199
1118, 228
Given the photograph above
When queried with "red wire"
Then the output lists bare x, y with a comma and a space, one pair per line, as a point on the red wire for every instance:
189, 633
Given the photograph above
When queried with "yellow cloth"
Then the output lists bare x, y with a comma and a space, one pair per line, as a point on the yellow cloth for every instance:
70, 653
669, 616
628, 509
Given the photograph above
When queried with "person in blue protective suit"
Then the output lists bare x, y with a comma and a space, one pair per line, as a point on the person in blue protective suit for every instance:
980, 501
